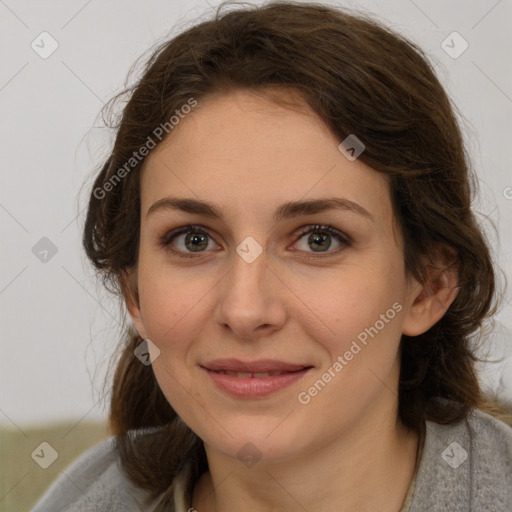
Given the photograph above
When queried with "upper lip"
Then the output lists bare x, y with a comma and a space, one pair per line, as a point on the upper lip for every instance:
262, 365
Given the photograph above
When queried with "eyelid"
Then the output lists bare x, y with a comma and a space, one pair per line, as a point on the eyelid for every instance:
326, 228
169, 235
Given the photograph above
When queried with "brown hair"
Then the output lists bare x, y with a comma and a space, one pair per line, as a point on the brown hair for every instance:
360, 78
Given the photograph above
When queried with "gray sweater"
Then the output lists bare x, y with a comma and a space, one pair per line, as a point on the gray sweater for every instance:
463, 468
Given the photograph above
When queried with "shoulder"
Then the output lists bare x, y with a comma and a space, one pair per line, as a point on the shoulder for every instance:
93, 482
465, 466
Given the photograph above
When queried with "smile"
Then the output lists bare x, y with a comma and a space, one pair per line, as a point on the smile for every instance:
253, 380
247, 375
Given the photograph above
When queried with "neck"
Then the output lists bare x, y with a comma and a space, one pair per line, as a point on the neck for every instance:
369, 468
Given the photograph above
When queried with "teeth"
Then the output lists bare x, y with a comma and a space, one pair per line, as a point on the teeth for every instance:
247, 375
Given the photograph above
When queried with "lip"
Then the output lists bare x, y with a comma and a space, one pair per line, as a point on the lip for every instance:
261, 365
254, 386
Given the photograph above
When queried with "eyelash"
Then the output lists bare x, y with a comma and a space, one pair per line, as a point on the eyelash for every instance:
344, 240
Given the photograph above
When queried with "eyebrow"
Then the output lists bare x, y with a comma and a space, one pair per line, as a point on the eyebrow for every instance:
287, 210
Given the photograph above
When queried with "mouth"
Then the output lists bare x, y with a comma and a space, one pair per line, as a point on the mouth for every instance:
270, 366
254, 375
254, 379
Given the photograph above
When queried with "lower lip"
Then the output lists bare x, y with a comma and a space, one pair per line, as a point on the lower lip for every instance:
254, 387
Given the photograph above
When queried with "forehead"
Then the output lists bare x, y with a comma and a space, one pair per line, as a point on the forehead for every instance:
242, 150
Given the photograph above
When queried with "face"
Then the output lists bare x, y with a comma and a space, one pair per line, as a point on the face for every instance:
255, 287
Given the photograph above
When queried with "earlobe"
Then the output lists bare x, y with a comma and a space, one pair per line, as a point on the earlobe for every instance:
430, 301
129, 290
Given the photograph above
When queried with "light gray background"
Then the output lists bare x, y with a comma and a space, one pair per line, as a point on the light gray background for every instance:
58, 329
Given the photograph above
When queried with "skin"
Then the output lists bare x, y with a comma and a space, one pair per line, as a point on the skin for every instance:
346, 449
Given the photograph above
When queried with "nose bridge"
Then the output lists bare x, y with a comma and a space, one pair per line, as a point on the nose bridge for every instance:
249, 298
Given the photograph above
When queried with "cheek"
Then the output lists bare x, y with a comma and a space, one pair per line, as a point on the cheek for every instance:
340, 307
362, 344
171, 304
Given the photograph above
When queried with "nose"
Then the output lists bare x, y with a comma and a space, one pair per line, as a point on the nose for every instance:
250, 301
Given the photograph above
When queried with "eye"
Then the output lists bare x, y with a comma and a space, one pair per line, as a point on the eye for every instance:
319, 239
187, 240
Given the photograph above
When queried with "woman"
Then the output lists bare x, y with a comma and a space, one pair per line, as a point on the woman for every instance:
286, 214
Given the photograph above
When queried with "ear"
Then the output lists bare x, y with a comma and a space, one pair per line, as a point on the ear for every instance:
130, 293
430, 301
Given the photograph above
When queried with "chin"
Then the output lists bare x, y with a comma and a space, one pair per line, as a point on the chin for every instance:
265, 443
